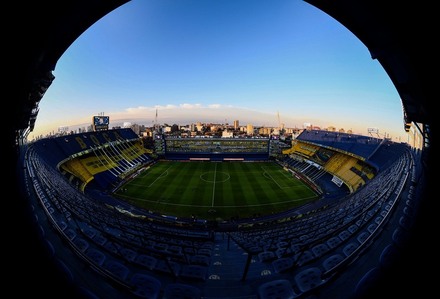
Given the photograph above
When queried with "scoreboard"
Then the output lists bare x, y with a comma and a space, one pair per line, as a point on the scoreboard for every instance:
100, 122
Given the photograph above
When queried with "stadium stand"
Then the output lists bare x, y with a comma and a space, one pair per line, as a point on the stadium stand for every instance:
217, 149
140, 255
360, 247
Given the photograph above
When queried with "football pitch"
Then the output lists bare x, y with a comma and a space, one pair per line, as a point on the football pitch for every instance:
215, 190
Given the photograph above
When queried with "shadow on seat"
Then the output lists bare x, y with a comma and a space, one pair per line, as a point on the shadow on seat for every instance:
181, 291
280, 288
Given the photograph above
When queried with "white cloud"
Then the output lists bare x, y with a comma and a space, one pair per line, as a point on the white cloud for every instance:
187, 113
190, 106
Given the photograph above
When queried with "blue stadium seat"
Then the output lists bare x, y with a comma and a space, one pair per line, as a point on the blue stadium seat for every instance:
344, 235
65, 270
367, 281
332, 261
199, 260
147, 261
194, 272
168, 267
50, 248
96, 256
145, 286
406, 222
320, 249
309, 279
117, 269
400, 237
282, 264
81, 244
181, 291
276, 289
128, 254
350, 248
334, 242
304, 257
389, 256
266, 256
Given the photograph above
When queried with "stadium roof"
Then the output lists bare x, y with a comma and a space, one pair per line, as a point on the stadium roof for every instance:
397, 36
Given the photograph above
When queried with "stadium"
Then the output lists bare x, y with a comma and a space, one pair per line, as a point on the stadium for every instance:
351, 235
88, 186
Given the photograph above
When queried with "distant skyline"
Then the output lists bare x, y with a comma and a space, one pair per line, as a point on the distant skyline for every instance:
218, 61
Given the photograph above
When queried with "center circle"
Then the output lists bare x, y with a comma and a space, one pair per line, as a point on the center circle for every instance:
215, 177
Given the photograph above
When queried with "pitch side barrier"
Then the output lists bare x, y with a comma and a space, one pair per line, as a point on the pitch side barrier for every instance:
217, 157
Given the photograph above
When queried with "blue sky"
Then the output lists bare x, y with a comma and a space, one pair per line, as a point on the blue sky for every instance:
218, 61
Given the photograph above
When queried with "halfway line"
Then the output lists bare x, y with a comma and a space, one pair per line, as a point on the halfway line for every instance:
213, 187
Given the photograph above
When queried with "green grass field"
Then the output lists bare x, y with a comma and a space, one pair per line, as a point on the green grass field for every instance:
215, 190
